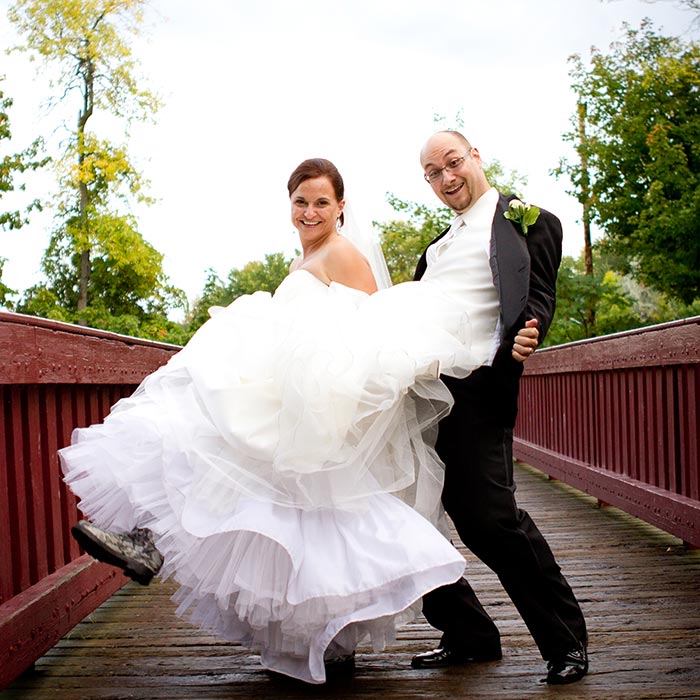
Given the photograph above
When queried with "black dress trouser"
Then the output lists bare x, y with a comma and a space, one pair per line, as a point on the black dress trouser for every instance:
479, 496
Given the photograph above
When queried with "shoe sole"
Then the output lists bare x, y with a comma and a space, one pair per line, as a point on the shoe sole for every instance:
566, 680
97, 550
460, 661
339, 667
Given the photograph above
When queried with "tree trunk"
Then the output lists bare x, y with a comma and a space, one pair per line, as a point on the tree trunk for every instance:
85, 266
84, 195
585, 201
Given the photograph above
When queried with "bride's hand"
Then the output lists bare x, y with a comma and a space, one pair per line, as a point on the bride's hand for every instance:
526, 341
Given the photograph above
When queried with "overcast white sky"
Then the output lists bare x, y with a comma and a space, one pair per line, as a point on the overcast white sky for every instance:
252, 88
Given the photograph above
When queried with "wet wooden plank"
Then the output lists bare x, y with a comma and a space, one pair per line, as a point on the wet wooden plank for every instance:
638, 586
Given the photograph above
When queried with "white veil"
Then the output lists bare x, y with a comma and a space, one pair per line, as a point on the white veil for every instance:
366, 240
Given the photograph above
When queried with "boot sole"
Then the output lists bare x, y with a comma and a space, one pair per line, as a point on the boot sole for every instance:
97, 550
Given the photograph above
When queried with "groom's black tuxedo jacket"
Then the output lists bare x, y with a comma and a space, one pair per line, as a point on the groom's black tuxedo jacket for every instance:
524, 271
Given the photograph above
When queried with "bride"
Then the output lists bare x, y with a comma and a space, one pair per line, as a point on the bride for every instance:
281, 465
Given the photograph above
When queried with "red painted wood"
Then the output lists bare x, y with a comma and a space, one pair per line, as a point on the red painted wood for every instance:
19, 515
55, 525
579, 436
591, 442
615, 419
648, 407
34, 620
44, 352
36, 501
605, 399
673, 513
639, 391
634, 431
626, 419
689, 448
675, 343
691, 436
6, 584
666, 476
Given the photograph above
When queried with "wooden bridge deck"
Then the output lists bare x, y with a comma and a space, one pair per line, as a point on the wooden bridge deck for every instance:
638, 586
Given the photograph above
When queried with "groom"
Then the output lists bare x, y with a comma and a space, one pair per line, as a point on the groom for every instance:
515, 276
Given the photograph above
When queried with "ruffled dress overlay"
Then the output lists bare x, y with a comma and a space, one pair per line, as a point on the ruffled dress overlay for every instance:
283, 460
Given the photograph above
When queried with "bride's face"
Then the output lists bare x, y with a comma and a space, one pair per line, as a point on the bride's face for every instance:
315, 208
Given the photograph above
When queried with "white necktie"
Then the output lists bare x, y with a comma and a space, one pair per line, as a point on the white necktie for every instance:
441, 246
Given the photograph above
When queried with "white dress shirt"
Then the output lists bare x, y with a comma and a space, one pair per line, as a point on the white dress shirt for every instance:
459, 263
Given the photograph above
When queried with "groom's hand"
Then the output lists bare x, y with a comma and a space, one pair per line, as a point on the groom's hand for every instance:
526, 341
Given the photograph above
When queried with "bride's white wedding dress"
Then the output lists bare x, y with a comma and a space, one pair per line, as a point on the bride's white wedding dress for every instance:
283, 461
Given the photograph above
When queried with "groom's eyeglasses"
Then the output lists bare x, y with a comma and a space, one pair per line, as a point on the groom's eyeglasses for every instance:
434, 175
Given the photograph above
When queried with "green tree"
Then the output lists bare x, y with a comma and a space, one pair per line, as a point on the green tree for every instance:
265, 275
652, 306
579, 293
5, 291
98, 265
642, 154
619, 302
129, 294
16, 164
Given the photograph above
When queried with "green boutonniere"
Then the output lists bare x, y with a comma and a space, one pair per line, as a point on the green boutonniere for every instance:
523, 214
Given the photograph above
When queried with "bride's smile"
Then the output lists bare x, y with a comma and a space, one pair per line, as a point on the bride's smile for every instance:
315, 211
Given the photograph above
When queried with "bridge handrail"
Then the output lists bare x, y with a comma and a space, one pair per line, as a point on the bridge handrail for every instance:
617, 417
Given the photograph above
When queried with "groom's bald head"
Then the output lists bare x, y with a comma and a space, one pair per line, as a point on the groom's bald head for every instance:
441, 137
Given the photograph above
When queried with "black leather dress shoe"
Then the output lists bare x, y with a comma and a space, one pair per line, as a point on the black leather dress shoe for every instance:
569, 668
444, 656
340, 665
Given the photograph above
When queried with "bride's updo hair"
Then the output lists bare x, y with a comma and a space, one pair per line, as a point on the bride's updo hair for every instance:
317, 167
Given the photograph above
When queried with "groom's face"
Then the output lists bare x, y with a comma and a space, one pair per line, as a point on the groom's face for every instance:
457, 187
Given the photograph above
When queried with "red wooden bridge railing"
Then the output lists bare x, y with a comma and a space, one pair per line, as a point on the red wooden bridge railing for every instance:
54, 377
618, 417
615, 416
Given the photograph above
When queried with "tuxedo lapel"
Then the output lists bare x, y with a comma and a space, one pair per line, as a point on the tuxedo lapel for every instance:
510, 265
423, 262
